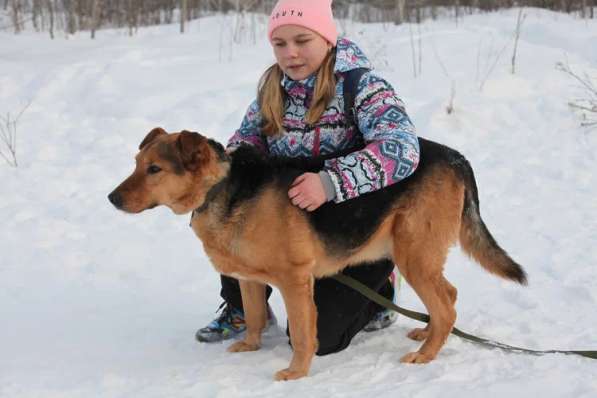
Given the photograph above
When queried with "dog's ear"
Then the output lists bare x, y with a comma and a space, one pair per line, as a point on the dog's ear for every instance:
193, 149
152, 135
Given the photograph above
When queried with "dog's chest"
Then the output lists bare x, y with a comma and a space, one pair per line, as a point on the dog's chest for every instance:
219, 243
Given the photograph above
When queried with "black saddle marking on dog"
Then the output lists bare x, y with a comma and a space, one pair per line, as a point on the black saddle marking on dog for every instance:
345, 226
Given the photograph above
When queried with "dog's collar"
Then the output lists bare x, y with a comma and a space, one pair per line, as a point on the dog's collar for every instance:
211, 194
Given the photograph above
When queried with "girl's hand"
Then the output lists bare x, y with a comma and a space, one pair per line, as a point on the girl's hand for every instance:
307, 192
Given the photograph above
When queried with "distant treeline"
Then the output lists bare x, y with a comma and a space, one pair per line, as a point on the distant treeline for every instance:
71, 16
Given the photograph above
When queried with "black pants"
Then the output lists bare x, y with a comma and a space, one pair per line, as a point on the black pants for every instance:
341, 311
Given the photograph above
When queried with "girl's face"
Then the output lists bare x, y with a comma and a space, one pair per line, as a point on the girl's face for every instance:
299, 51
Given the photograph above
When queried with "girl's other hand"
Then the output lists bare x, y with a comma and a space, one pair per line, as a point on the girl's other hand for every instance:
307, 192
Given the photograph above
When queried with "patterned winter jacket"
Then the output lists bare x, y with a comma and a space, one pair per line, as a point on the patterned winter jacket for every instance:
386, 147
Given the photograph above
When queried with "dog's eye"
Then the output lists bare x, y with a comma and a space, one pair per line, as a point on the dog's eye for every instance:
153, 169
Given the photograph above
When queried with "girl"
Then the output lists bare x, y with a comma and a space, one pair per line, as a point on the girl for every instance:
299, 111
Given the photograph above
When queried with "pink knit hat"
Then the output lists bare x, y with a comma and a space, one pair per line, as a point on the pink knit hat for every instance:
312, 14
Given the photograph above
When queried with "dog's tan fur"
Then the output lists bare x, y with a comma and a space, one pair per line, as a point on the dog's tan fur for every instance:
268, 240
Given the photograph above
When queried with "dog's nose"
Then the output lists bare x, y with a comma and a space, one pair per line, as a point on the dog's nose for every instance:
116, 199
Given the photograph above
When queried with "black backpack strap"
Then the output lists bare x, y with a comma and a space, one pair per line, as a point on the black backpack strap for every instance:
351, 84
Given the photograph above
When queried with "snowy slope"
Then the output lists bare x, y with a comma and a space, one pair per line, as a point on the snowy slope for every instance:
96, 303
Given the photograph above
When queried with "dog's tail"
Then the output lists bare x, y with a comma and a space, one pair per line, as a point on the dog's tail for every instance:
475, 238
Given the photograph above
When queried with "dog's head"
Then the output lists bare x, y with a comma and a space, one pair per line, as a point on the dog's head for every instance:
175, 170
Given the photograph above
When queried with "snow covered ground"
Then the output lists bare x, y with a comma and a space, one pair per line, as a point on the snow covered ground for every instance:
96, 303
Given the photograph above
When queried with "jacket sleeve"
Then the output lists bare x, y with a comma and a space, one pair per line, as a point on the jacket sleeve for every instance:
391, 150
249, 132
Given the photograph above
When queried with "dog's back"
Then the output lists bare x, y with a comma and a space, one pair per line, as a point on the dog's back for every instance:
344, 227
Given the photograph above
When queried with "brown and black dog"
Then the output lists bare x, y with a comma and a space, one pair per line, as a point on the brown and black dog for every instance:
250, 230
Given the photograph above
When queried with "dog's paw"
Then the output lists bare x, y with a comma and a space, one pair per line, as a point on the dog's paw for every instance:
287, 374
242, 346
416, 357
418, 334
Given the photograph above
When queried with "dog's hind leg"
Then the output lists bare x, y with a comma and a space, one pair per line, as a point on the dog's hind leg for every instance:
253, 296
297, 291
423, 234
423, 273
420, 334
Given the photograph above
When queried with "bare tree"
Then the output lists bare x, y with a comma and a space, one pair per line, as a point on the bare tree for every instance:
95, 16
491, 61
450, 106
71, 18
35, 14
412, 48
519, 22
183, 14
8, 137
16, 15
586, 105
416, 49
400, 5
420, 45
50, 5
133, 15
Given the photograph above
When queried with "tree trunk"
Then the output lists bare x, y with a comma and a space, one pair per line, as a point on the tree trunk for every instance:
418, 11
82, 19
400, 4
183, 14
51, 15
35, 12
519, 22
95, 16
16, 15
71, 18
132, 16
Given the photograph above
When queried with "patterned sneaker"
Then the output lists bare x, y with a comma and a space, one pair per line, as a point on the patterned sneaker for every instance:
230, 323
385, 317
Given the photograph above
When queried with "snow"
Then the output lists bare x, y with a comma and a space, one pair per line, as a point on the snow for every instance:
96, 303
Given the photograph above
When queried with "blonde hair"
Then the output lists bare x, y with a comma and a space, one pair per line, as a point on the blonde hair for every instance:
271, 95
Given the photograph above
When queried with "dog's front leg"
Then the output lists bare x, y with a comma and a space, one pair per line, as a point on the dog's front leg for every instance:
302, 320
253, 296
